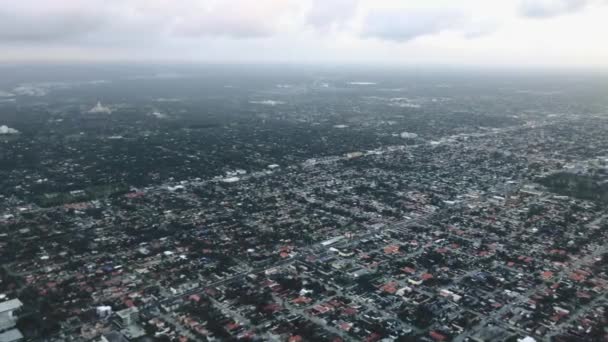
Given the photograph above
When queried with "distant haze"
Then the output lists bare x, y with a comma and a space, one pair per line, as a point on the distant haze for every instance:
530, 33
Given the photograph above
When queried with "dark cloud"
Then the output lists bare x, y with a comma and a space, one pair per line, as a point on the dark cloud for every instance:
550, 8
405, 25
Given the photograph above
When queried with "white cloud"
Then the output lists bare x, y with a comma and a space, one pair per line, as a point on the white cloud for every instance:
475, 32
35, 21
407, 24
235, 18
325, 14
4, 129
550, 8
113, 20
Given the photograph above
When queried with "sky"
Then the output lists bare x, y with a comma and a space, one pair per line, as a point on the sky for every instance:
526, 33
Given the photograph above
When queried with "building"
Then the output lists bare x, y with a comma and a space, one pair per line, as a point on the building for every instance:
113, 336
128, 316
7, 313
12, 335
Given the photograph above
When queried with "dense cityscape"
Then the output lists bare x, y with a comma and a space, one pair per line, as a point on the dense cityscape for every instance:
304, 206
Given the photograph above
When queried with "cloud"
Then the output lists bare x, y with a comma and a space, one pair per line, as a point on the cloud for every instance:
104, 22
334, 31
223, 27
325, 14
407, 24
35, 24
4, 129
550, 8
233, 19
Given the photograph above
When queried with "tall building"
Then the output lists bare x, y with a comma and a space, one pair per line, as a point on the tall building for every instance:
127, 316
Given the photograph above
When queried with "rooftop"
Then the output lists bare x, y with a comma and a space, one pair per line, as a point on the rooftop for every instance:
11, 335
9, 305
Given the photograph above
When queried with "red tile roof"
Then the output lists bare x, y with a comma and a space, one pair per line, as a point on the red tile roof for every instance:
392, 249
390, 287
295, 338
409, 270
437, 336
426, 276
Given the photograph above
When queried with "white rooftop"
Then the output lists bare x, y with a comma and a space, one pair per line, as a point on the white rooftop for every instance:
11, 335
9, 305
